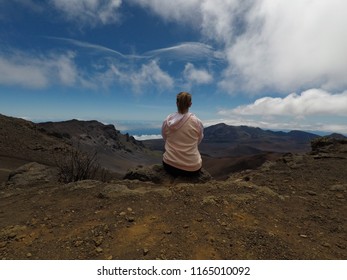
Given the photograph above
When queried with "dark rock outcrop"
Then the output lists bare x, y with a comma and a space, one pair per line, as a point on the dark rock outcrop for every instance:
157, 174
329, 145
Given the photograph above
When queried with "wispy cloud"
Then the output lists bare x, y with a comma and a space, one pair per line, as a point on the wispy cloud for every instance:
98, 48
187, 51
182, 51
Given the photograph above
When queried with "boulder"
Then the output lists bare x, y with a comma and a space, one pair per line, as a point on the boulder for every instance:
32, 173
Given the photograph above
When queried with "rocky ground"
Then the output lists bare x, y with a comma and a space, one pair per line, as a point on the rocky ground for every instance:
292, 208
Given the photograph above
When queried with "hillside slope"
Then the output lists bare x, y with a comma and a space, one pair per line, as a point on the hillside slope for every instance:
116, 151
47, 142
293, 208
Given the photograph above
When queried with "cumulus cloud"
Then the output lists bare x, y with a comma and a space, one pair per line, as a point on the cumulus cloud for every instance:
289, 45
312, 110
152, 74
89, 12
308, 103
37, 71
196, 76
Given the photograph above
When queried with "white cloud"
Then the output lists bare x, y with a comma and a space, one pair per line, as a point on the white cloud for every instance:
66, 69
89, 12
308, 103
196, 76
38, 71
149, 74
15, 72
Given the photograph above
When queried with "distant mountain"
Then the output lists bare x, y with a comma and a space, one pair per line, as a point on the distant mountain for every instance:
222, 133
226, 140
337, 136
230, 134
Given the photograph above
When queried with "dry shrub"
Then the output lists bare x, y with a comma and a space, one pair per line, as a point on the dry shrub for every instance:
77, 166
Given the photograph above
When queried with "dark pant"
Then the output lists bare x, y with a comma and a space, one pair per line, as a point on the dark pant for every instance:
179, 172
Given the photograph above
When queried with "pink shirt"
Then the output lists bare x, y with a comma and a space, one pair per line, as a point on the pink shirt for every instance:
182, 134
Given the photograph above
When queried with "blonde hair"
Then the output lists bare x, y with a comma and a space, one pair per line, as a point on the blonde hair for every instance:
184, 101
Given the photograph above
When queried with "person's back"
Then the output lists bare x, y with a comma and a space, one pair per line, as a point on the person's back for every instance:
182, 132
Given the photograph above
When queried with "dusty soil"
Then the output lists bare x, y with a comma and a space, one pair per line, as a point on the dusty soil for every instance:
293, 208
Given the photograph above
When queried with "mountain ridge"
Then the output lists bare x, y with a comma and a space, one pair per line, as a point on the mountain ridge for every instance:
222, 140
237, 145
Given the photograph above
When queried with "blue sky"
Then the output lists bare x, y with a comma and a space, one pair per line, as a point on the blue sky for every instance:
278, 65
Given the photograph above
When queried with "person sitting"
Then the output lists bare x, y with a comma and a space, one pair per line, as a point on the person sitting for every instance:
182, 132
